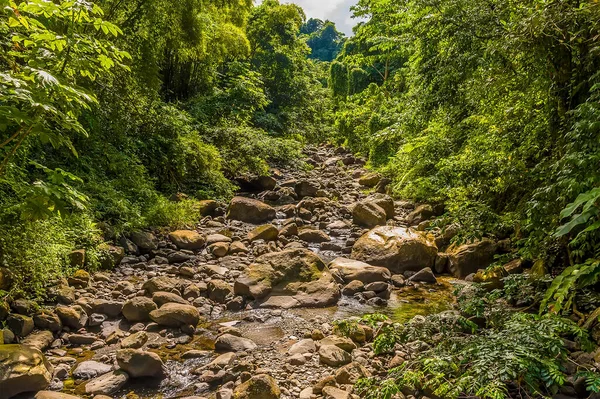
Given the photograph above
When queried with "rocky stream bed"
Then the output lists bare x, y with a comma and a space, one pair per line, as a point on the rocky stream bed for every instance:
243, 305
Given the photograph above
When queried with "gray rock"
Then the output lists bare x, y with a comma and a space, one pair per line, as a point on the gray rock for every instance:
90, 369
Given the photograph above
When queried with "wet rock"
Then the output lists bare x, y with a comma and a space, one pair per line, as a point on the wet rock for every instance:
91, 369
107, 384
138, 309
72, 316
424, 276
187, 239
138, 363
334, 356
19, 324
22, 369
250, 211
175, 315
398, 281
353, 287
368, 214
351, 270
260, 386
80, 279
397, 248
468, 258
266, 232
231, 343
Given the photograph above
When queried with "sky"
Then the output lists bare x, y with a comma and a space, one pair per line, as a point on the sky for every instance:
337, 11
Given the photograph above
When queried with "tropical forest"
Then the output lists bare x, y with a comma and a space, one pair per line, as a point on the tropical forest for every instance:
240, 199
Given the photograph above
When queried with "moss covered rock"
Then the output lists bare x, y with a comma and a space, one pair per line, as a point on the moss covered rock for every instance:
187, 239
397, 248
250, 210
22, 369
290, 278
260, 386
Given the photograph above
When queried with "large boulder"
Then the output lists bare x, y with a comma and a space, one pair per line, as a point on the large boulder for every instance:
53, 395
91, 369
334, 356
468, 258
207, 207
420, 214
162, 283
175, 315
369, 179
72, 316
397, 248
19, 324
350, 270
306, 188
40, 340
138, 309
250, 210
107, 384
138, 363
233, 343
144, 240
219, 290
368, 214
287, 279
266, 232
351, 373
385, 202
22, 369
187, 239
260, 386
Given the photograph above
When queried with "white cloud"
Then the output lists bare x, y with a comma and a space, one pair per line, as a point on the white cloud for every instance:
337, 11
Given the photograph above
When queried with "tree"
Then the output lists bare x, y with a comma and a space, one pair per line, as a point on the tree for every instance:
49, 50
324, 40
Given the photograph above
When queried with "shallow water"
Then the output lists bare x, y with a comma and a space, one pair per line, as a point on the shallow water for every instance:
265, 327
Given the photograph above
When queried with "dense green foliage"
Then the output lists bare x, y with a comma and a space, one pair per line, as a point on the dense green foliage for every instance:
109, 108
324, 40
523, 355
489, 106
